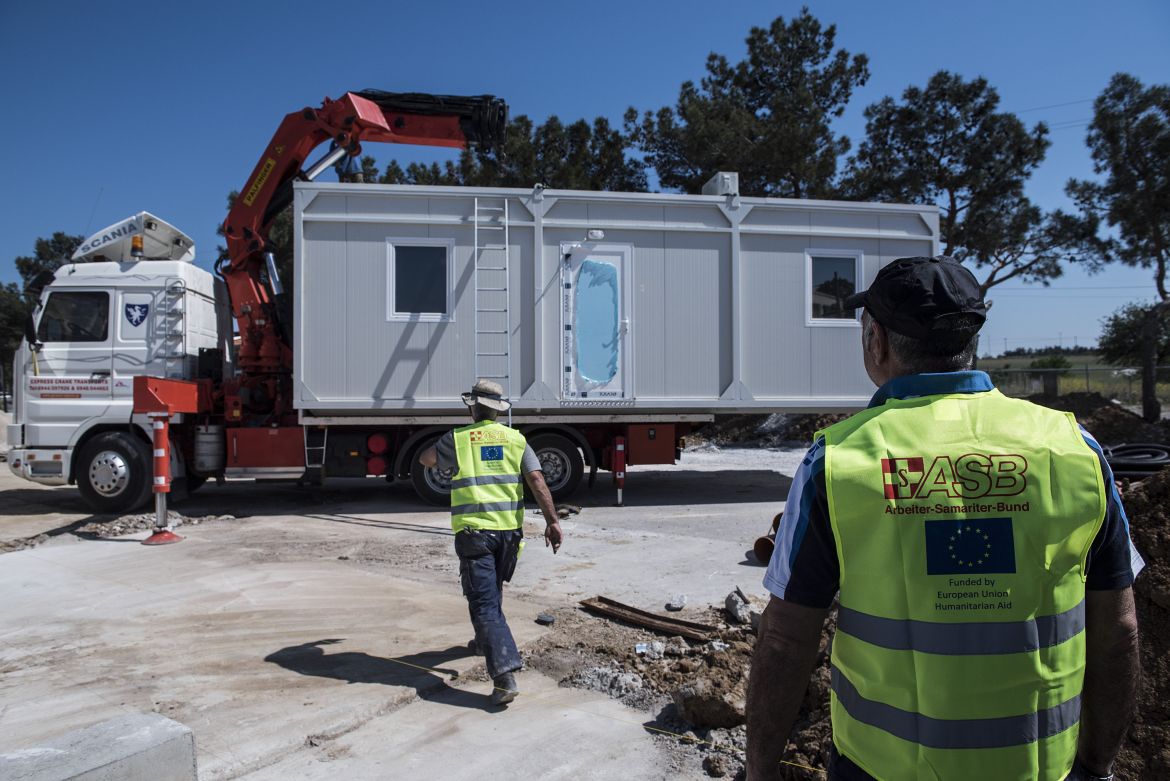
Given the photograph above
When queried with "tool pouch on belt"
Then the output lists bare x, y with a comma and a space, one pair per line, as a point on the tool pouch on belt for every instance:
513, 556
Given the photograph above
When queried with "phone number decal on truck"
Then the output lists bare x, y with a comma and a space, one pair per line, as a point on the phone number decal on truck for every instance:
66, 387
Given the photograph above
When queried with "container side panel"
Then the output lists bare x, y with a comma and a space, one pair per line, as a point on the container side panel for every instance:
449, 361
777, 351
764, 216
701, 216
369, 339
602, 214
327, 203
845, 222
895, 225
383, 205
570, 212
523, 314
323, 292
549, 294
697, 299
648, 326
837, 367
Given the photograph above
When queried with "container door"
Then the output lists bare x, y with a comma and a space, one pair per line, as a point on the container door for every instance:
70, 378
596, 320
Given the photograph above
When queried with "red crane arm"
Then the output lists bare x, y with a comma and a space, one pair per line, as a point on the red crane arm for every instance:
371, 115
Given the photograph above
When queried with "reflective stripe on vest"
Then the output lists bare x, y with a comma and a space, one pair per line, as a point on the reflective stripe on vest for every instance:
962, 524
488, 491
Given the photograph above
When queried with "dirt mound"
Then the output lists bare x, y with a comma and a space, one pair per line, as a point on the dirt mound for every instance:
1146, 753
1109, 422
695, 691
772, 430
128, 524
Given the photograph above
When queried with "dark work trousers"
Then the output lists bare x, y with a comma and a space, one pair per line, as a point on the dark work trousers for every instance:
487, 559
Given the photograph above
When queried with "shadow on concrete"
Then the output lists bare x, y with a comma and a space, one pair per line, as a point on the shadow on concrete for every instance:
687, 487
418, 671
32, 501
377, 523
750, 560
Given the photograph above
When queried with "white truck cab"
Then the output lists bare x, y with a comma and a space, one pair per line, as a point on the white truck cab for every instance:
130, 302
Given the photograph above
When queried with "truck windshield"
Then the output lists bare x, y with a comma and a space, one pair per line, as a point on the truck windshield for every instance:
75, 316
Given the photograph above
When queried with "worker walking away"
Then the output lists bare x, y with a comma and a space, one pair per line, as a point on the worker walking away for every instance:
986, 624
491, 464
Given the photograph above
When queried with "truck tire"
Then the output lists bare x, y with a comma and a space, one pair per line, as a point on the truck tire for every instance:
114, 472
432, 485
561, 462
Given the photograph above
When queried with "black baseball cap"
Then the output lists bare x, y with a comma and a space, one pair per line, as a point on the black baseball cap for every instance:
924, 297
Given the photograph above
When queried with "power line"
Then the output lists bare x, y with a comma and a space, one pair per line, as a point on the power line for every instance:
1054, 105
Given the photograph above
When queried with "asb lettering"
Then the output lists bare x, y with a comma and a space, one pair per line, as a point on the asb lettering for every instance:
971, 476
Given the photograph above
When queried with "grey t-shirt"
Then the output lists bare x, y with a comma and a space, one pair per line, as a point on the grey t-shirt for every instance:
446, 458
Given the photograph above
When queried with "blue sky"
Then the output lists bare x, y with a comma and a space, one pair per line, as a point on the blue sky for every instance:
117, 107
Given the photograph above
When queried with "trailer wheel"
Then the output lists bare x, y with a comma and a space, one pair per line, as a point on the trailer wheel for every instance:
114, 472
431, 484
561, 462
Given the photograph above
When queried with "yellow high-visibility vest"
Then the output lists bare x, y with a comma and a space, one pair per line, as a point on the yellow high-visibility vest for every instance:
963, 524
488, 492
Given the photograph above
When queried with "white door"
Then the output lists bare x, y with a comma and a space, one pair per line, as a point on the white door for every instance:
69, 381
140, 331
596, 321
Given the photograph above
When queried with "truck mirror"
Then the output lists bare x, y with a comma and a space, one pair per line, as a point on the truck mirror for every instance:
30, 332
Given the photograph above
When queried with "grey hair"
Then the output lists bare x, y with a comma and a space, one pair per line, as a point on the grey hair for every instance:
952, 350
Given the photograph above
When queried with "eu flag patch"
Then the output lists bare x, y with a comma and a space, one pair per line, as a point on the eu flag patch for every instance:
491, 453
970, 546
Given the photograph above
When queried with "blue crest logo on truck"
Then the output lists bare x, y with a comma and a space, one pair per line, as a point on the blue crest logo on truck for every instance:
136, 313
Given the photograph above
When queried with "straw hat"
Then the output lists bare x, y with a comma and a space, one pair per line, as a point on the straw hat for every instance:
489, 394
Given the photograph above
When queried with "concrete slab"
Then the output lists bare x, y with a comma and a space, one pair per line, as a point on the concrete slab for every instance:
297, 631
548, 733
221, 640
138, 747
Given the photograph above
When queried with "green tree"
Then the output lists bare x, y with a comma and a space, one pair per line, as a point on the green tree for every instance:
48, 255
948, 144
767, 116
13, 311
577, 156
1129, 139
1120, 342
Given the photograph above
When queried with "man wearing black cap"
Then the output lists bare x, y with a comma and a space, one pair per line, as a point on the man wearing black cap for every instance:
981, 558
491, 463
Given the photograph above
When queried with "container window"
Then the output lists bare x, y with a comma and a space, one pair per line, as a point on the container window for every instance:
597, 323
419, 280
75, 316
832, 279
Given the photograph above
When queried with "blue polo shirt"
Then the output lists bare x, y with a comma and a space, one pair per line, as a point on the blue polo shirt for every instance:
804, 567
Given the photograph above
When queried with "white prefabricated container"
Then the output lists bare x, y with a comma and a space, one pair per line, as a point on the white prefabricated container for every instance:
603, 302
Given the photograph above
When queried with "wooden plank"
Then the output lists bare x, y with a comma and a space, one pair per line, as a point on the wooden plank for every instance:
632, 615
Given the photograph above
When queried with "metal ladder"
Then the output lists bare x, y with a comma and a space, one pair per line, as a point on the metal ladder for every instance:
174, 330
493, 308
316, 441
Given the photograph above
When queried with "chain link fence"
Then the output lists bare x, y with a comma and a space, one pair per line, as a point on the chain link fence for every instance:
1121, 384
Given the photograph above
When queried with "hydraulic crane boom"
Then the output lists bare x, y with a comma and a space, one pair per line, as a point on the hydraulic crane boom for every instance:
265, 356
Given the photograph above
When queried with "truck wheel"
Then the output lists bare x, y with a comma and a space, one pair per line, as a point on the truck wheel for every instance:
561, 462
114, 472
431, 484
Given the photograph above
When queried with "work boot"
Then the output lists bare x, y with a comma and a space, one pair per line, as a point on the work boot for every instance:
505, 689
